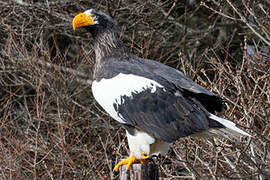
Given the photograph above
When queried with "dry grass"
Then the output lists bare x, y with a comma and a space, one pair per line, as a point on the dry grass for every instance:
50, 126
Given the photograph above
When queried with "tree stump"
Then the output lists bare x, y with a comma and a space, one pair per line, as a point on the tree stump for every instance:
139, 172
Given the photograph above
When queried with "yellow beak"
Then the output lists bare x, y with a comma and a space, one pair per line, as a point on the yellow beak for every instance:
82, 20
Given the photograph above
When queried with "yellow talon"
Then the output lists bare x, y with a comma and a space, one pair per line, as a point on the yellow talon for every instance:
144, 158
132, 160
129, 161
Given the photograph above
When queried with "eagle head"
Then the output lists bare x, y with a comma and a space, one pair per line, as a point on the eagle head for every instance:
93, 20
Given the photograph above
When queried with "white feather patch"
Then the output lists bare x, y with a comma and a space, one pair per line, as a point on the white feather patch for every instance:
228, 124
109, 91
88, 12
139, 143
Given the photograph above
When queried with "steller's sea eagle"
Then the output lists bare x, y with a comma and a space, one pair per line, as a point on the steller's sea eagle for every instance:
156, 104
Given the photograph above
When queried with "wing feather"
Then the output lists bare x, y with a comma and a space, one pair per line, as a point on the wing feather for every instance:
210, 101
162, 114
175, 109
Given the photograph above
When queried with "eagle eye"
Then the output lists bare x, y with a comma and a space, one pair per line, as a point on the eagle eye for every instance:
93, 17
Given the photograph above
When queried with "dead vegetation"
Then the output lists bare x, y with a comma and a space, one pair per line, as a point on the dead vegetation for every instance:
50, 126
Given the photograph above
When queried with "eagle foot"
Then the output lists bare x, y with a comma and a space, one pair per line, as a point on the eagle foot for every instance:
144, 158
131, 160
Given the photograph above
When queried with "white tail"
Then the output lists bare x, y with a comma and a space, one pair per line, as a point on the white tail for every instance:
230, 127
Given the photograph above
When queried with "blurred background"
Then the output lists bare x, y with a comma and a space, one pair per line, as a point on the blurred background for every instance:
50, 125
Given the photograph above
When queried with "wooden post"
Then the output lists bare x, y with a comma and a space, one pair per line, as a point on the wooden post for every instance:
139, 172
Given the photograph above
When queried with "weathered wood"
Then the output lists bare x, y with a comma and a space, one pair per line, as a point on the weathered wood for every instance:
139, 172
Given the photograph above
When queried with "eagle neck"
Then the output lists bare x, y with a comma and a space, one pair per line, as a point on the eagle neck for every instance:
106, 45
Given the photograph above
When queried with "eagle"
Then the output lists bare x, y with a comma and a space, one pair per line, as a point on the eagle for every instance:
156, 104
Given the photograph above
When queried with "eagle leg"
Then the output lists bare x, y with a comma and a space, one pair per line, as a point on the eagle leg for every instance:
131, 160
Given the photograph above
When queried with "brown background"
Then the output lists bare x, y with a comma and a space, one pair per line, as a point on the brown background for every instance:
50, 126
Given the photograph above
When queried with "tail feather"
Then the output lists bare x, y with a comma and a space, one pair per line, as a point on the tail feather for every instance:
230, 127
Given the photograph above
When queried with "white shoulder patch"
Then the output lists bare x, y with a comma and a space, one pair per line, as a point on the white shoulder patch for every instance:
109, 91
